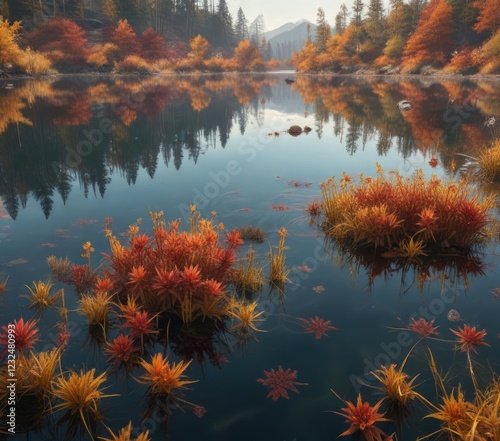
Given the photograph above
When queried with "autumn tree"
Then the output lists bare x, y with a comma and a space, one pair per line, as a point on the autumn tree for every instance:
153, 46
432, 41
464, 17
399, 27
63, 41
248, 57
10, 53
125, 39
489, 16
305, 60
199, 47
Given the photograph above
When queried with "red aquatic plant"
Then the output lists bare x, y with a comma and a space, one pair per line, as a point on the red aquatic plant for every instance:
191, 277
362, 417
140, 324
81, 277
62, 336
280, 382
469, 338
121, 350
212, 288
104, 285
138, 277
313, 209
24, 333
234, 238
423, 327
317, 326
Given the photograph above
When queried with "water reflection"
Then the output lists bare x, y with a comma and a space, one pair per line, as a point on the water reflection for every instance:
56, 132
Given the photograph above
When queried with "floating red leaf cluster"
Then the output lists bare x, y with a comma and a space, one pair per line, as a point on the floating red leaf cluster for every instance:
317, 326
469, 338
423, 327
280, 382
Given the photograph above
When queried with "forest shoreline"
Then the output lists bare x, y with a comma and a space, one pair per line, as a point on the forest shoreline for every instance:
294, 74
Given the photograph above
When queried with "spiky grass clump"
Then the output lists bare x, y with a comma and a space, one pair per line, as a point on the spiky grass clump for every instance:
246, 317
96, 307
80, 396
489, 163
125, 434
164, 379
278, 273
413, 214
248, 278
41, 296
398, 389
455, 415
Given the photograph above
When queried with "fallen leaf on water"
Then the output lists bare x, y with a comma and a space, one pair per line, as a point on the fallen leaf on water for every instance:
85, 222
19, 261
304, 268
48, 245
318, 288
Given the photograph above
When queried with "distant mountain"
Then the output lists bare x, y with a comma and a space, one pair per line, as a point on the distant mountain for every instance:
289, 37
283, 28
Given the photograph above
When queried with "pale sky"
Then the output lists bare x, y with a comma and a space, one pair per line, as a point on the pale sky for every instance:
278, 12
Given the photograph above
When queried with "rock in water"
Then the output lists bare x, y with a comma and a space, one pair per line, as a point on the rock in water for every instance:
453, 315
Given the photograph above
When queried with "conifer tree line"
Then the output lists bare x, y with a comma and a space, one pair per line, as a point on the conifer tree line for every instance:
176, 20
410, 36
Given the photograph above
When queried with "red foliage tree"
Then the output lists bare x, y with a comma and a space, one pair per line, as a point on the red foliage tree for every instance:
125, 38
431, 42
62, 40
153, 46
489, 15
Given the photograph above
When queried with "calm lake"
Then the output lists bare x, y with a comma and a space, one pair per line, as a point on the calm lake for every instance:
77, 150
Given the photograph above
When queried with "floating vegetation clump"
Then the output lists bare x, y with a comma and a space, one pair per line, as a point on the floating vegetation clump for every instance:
389, 223
389, 211
251, 233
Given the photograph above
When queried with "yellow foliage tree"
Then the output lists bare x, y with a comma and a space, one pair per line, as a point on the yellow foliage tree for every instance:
10, 52
199, 47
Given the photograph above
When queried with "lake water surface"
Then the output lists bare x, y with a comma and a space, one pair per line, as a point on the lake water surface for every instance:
77, 150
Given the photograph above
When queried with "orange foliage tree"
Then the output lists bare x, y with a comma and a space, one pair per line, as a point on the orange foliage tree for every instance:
62, 41
305, 59
248, 57
432, 41
125, 38
489, 15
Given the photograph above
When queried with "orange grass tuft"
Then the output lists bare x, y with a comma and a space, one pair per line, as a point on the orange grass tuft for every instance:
162, 378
